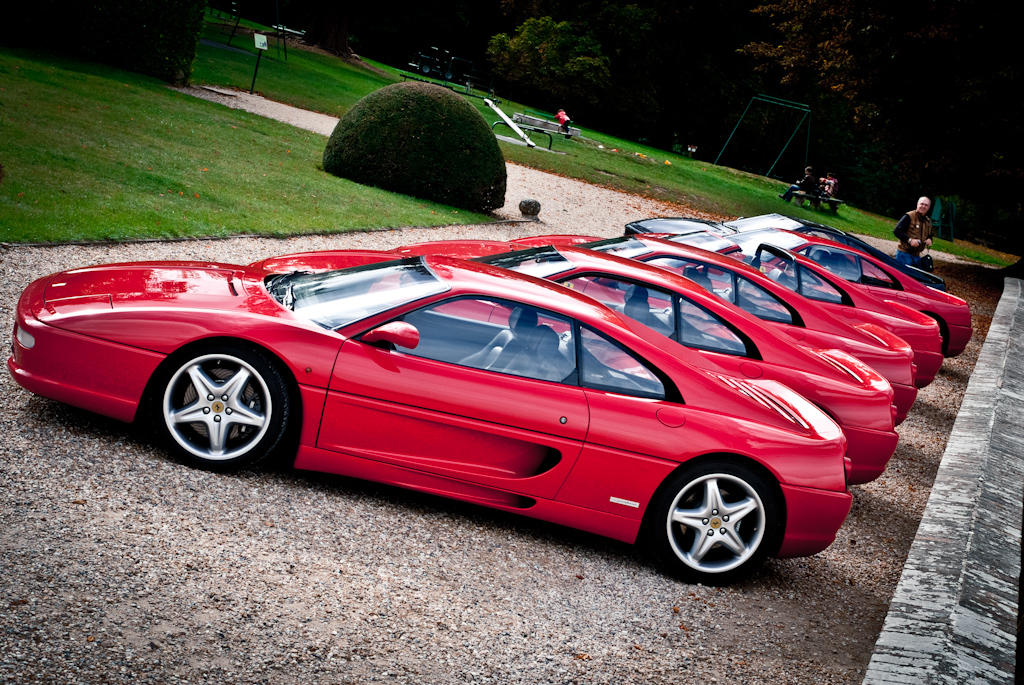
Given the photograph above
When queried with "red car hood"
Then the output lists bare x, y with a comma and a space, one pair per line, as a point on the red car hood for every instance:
155, 284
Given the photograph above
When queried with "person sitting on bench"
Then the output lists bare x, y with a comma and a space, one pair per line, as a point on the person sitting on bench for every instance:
809, 185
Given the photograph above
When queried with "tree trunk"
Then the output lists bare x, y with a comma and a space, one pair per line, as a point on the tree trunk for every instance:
329, 28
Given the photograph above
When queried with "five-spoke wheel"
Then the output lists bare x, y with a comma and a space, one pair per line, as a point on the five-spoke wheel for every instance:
715, 522
224, 408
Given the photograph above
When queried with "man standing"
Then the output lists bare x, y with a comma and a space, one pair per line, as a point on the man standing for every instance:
914, 230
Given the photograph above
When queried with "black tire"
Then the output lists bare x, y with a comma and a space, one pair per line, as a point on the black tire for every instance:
240, 403
736, 537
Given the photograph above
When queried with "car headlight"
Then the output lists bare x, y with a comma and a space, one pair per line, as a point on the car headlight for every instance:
26, 339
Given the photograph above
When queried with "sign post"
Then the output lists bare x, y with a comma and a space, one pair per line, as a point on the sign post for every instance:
261, 45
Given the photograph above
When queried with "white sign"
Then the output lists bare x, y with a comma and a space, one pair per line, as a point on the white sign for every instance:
261, 41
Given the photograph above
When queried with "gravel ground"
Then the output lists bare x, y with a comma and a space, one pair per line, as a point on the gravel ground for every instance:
120, 565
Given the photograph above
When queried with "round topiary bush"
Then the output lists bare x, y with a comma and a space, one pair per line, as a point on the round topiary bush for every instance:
421, 140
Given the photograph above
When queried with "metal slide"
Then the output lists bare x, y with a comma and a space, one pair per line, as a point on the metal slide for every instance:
510, 123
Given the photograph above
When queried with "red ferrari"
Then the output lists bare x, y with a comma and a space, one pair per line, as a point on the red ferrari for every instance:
720, 338
854, 302
875, 279
803, 319
451, 377
850, 301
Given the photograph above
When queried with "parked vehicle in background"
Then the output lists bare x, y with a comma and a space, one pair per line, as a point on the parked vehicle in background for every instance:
802, 319
726, 339
875, 278
826, 232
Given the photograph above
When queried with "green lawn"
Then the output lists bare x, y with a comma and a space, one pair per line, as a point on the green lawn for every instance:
308, 80
91, 152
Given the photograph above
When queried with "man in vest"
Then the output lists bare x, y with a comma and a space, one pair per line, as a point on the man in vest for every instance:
915, 233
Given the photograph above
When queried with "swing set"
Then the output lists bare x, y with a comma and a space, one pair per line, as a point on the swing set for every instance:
774, 102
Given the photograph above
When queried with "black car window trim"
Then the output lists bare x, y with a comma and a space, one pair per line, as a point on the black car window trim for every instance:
751, 351
672, 393
844, 296
797, 320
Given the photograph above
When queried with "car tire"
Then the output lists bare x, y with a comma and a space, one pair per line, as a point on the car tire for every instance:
715, 522
221, 408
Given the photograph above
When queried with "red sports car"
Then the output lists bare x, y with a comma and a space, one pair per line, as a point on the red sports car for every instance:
852, 301
720, 337
874, 278
451, 377
803, 319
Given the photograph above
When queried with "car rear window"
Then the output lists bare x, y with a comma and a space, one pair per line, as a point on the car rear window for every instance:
542, 262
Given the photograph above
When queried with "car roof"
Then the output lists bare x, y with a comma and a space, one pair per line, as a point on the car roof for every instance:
751, 223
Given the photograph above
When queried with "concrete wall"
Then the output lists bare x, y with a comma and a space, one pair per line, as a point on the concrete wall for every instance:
953, 618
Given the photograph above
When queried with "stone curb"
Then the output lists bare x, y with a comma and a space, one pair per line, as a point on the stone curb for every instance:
953, 617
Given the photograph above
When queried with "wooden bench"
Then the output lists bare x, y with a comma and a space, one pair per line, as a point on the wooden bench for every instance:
539, 124
816, 200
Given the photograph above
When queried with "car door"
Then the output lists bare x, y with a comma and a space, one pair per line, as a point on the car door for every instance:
489, 395
637, 434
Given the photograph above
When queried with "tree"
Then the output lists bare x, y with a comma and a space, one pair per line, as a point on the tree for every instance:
557, 57
328, 27
933, 84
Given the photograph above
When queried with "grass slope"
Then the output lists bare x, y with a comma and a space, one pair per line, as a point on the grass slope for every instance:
90, 152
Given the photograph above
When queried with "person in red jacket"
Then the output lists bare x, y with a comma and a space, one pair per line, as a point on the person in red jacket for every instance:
563, 121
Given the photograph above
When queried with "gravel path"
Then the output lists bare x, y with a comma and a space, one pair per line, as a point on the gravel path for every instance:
120, 565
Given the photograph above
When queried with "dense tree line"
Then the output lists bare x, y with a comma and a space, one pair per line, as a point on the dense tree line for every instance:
921, 96
906, 98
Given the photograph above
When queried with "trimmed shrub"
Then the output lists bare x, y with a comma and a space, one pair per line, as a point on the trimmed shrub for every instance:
421, 140
157, 37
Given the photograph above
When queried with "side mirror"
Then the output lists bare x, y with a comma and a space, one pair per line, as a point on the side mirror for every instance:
398, 333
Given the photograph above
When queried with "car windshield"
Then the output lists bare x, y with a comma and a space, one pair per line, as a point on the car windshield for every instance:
751, 240
337, 298
542, 262
672, 225
620, 247
703, 240
751, 223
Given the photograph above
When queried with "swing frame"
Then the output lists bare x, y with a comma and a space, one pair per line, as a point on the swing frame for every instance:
768, 99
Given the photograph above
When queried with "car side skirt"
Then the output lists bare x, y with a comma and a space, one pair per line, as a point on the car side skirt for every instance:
609, 525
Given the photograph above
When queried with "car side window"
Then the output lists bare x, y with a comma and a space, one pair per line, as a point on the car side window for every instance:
496, 335
814, 287
839, 262
648, 305
872, 275
703, 330
757, 301
608, 366
711, 278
